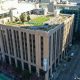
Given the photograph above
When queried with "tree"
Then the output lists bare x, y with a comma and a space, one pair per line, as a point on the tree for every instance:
16, 19
28, 18
23, 17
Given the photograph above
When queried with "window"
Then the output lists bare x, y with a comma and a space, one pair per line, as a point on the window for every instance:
10, 41
13, 62
61, 39
7, 59
53, 68
57, 63
57, 43
32, 48
24, 45
19, 65
54, 39
41, 51
49, 73
33, 69
34, 52
26, 67
3, 36
30, 42
42, 74
17, 44
49, 48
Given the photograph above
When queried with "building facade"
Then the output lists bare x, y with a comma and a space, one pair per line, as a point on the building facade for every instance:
72, 8
36, 50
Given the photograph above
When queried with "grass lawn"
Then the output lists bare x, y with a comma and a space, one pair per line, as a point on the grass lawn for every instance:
34, 22
39, 20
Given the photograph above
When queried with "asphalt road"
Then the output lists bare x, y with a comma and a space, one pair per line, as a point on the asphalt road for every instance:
72, 71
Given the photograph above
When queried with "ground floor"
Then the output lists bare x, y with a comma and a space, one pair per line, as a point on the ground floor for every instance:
32, 68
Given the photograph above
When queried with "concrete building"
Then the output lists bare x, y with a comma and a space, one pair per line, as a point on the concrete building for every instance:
72, 8
10, 9
37, 49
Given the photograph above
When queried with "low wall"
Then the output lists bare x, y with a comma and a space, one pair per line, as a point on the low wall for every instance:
4, 20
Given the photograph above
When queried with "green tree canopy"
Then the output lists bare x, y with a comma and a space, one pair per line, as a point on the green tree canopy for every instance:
23, 17
28, 18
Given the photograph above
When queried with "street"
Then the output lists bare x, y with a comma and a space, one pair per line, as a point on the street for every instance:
72, 70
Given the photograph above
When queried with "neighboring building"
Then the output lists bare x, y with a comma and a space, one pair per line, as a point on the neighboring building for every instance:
72, 8
14, 9
77, 17
76, 1
43, 1
37, 49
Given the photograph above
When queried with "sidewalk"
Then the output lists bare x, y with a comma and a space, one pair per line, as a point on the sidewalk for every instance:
59, 69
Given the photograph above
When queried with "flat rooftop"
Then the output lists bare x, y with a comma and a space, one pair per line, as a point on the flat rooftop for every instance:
41, 22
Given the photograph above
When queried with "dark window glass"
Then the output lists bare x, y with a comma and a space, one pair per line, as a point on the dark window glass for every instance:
12, 61
30, 42
26, 66
34, 52
10, 41
53, 68
3, 36
33, 69
7, 59
17, 44
49, 73
19, 65
42, 51
42, 74
54, 44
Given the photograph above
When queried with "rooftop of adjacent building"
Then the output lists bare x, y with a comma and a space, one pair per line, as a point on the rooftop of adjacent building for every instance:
8, 5
41, 22
68, 4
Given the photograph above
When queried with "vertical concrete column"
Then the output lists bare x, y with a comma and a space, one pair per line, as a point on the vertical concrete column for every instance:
29, 60
6, 36
59, 53
60, 50
14, 47
64, 53
46, 75
20, 42
37, 71
55, 63
46, 53
1, 45
16, 62
51, 51
55, 51
38, 52
9, 59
